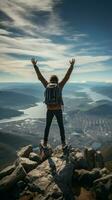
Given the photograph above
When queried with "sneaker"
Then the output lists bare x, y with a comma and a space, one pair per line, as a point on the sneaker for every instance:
43, 143
45, 152
43, 147
63, 145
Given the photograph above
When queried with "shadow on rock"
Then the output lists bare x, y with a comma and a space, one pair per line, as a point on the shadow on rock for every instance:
63, 178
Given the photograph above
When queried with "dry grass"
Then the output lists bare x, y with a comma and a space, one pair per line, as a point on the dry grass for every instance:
108, 165
85, 195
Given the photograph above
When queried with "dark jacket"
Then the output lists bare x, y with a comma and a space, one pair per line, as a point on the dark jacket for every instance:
61, 83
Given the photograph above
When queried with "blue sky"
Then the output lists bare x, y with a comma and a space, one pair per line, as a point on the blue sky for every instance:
54, 31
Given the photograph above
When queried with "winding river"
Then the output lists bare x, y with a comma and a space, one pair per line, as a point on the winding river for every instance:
94, 95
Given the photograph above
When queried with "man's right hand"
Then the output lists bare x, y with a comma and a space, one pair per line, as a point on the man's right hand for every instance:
34, 61
72, 62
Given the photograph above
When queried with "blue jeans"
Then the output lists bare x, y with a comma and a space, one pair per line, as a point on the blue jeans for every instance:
59, 116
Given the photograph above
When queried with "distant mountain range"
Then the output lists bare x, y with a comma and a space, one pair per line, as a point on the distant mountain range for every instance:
105, 90
100, 110
104, 109
101, 102
33, 89
12, 99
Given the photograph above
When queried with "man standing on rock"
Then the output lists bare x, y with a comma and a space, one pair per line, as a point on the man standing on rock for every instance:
53, 100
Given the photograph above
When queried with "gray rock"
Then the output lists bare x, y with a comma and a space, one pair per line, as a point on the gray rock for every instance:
7, 171
99, 162
89, 155
103, 188
104, 179
77, 158
25, 151
56, 195
27, 195
27, 163
85, 178
46, 176
104, 171
35, 188
9, 181
33, 156
21, 185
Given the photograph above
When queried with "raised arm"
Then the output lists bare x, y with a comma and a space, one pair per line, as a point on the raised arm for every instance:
39, 75
68, 73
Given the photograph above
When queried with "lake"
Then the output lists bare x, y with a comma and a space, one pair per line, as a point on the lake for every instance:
38, 111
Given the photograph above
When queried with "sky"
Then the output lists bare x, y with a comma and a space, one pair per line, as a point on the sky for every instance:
54, 32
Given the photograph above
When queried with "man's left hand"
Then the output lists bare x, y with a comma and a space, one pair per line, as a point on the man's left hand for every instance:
34, 61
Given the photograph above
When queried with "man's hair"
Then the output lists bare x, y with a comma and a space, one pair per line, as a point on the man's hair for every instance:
54, 79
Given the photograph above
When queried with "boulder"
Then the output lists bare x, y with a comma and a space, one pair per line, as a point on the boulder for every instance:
53, 173
26, 163
21, 185
35, 188
103, 188
79, 155
86, 178
7, 171
89, 155
25, 151
34, 157
9, 181
99, 162
27, 195
77, 158
104, 179
104, 171
56, 192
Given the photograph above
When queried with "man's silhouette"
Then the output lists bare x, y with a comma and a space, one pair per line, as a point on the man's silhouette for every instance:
54, 109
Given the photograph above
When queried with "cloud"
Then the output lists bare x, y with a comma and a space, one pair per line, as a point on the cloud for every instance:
41, 47
4, 32
82, 60
92, 67
23, 12
52, 56
35, 28
76, 37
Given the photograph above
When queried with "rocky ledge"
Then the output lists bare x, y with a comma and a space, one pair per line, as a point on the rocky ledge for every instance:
79, 175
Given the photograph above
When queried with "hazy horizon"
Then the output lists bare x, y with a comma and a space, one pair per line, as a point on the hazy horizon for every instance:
36, 81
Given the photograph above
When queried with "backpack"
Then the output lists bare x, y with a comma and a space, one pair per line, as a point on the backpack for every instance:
53, 94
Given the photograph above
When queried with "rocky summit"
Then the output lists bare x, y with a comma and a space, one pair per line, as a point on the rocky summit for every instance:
77, 174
